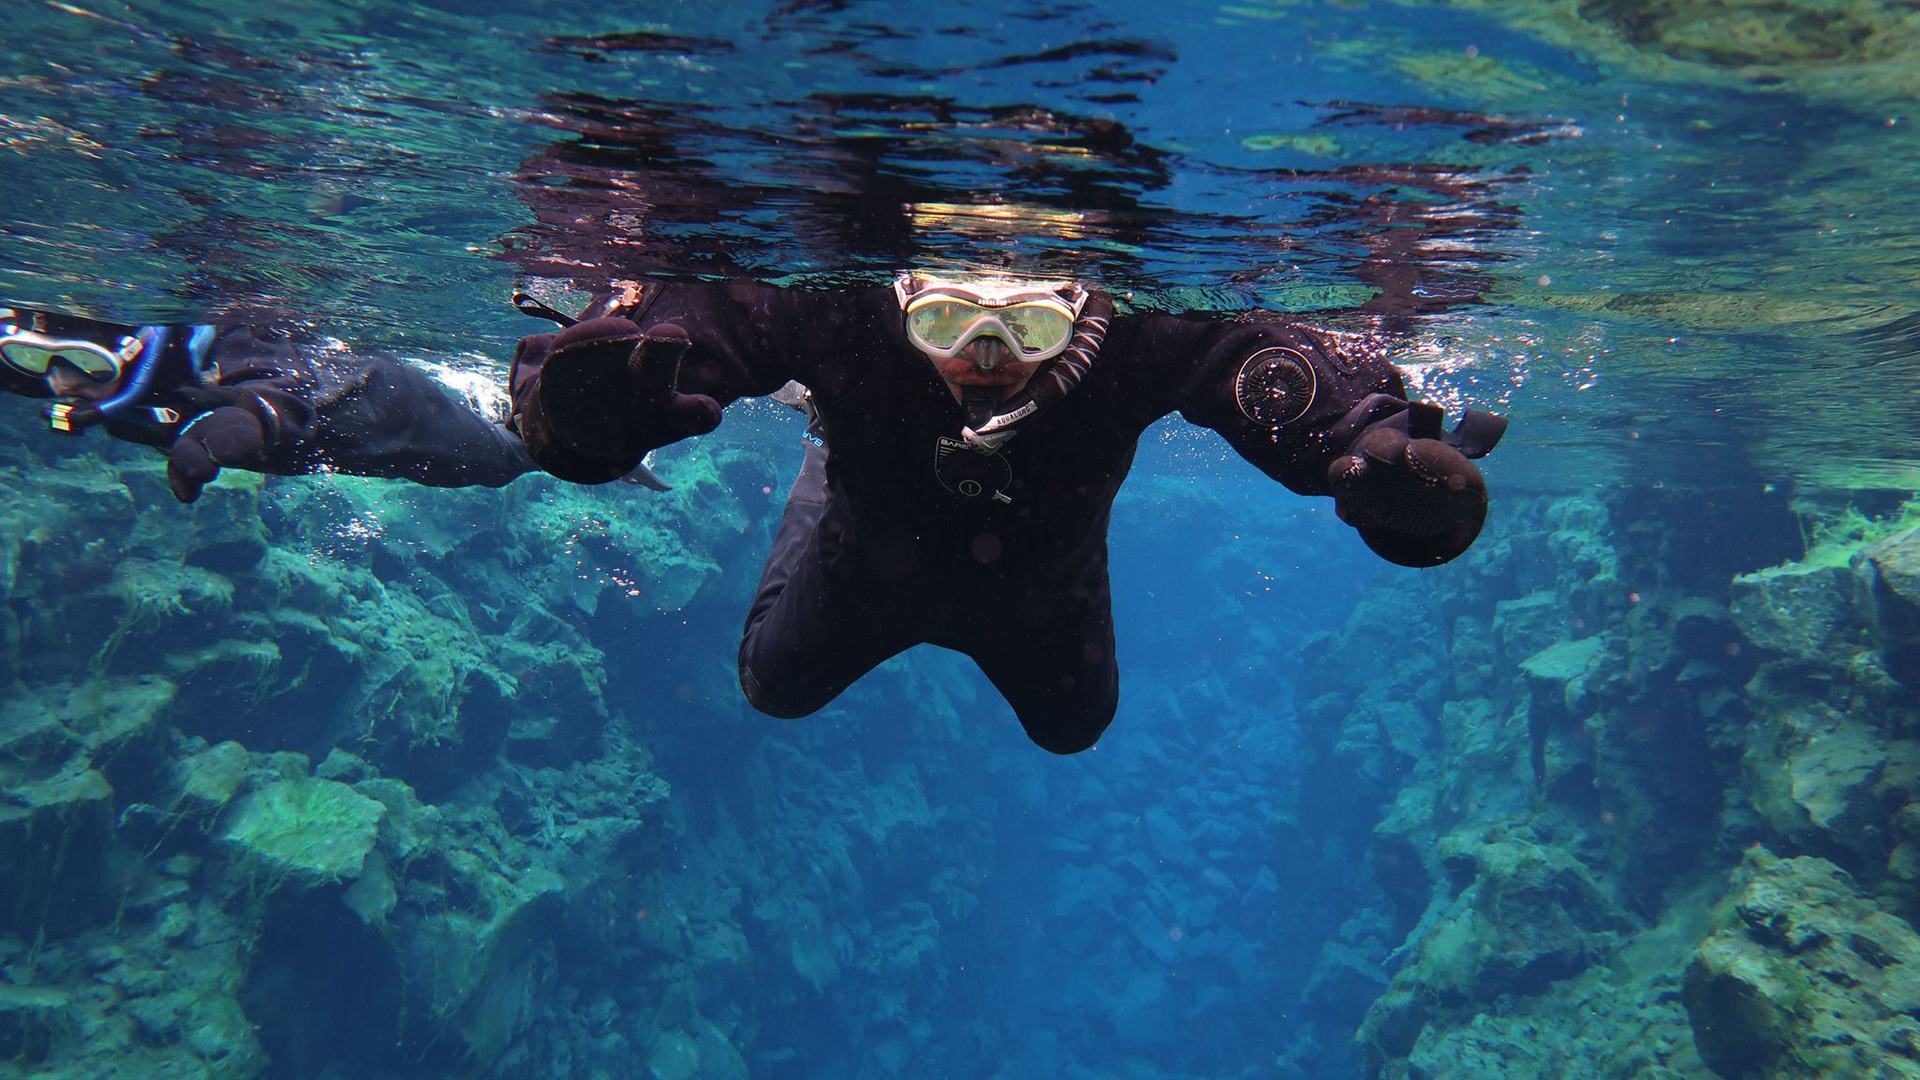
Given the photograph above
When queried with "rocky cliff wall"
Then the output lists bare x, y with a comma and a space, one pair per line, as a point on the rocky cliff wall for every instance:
1624, 790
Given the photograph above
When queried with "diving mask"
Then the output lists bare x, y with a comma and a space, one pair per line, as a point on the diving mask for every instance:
34, 354
1034, 319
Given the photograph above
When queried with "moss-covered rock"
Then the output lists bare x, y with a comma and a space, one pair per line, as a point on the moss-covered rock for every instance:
307, 830
1527, 915
1797, 610
210, 778
30, 1017
58, 744
1890, 573
1806, 978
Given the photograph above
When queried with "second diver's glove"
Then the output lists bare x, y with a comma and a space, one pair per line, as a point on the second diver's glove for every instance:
593, 399
252, 426
227, 436
1410, 490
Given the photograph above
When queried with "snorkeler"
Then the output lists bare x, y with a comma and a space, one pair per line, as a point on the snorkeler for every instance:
965, 444
967, 439
236, 397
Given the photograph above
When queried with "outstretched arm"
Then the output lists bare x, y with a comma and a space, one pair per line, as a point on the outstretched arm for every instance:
1331, 417
238, 397
593, 399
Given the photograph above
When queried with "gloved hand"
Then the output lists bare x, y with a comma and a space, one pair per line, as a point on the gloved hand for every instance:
1416, 499
594, 398
227, 436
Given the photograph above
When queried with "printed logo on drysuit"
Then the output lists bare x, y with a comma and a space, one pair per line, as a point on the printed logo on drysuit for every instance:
1275, 387
971, 473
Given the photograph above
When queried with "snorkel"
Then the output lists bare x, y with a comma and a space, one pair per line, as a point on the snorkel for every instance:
1055, 380
154, 341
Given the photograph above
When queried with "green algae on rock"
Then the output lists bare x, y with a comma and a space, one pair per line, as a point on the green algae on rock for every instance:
1889, 574
311, 830
1806, 978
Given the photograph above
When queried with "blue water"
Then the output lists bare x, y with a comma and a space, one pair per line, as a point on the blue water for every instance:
1679, 258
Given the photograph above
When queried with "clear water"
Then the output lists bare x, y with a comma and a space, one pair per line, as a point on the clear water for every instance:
1691, 271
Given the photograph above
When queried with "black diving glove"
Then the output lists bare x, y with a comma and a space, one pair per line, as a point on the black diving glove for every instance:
592, 400
1410, 490
227, 436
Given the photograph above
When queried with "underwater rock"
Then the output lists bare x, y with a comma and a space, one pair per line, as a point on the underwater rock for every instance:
1806, 978
60, 750
1739, 1008
310, 831
373, 896
55, 841
158, 597
157, 1002
1344, 983
1565, 662
1850, 54
1797, 610
1399, 867
1744, 33
1527, 625
1889, 570
30, 1016
1557, 678
1832, 775
1529, 914
1392, 1029
719, 1058
675, 1056
410, 826
210, 778
478, 970
1814, 776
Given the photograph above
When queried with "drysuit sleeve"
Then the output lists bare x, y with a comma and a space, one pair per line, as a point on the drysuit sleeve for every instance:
593, 399
388, 418
266, 406
1327, 416
244, 397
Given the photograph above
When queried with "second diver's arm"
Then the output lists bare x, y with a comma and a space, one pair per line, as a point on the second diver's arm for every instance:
240, 396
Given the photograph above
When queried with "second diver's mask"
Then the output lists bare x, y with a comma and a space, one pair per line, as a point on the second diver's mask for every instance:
1059, 322
123, 370
32, 353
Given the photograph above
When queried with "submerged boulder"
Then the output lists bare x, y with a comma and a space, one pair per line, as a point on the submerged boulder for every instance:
1527, 914
309, 830
62, 749
1799, 610
1806, 977
1825, 778
1889, 570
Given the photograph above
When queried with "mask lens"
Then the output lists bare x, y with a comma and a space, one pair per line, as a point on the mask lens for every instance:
31, 359
35, 355
1037, 328
939, 323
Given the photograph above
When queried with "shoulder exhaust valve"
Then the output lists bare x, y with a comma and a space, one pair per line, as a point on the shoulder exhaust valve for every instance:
1275, 387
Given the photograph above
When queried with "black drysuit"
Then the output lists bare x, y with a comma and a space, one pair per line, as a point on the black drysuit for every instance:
897, 534
317, 410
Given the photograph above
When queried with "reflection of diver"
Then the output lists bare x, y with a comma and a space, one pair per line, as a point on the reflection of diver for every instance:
968, 439
237, 397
